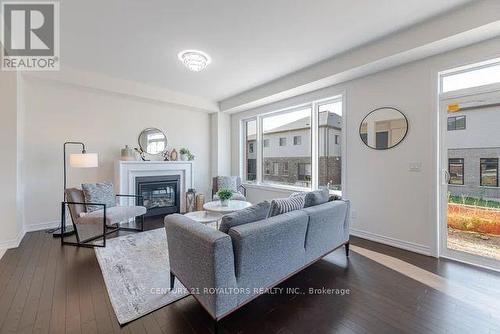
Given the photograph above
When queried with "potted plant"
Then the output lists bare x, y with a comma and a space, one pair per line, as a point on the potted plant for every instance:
185, 154
224, 195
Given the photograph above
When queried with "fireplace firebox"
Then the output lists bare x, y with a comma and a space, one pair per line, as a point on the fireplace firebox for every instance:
160, 194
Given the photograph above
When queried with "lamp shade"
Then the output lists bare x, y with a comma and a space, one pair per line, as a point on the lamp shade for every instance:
83, 160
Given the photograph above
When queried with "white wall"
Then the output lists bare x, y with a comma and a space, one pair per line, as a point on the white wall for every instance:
10, 217
390, 204
220, 140
56, 112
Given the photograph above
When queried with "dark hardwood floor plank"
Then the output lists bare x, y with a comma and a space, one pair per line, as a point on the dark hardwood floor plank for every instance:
44, 312
98, 293
73, 317
21, 287
58, 313
13, 259
29, 313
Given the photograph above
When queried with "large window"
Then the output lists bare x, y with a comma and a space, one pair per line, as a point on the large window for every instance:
285, 127
250, 154
284, 142
456, 170
489, 172
329, 144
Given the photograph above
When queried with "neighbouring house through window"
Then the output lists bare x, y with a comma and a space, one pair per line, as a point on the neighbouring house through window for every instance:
292, 166
489, 172
456, 170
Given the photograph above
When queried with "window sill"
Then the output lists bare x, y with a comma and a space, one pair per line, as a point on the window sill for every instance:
283, 188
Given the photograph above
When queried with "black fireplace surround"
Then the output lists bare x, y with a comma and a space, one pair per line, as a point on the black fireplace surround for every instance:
161, 194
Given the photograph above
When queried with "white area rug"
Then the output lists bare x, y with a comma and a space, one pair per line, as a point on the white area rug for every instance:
137, 274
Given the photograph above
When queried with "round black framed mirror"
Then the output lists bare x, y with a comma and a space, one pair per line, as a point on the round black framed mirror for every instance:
383, 128
153, 141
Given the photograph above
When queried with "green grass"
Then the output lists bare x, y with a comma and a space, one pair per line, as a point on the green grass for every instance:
474, 201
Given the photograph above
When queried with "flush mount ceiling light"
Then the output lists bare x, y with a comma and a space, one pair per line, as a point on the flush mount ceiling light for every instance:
194, 60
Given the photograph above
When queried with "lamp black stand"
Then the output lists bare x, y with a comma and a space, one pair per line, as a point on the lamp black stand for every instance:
66, 230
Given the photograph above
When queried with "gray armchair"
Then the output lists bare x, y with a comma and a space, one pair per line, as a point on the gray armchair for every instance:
229, 182
95, 225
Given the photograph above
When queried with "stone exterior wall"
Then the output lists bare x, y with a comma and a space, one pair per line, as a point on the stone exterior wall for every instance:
330, 171
471, 185
292, 178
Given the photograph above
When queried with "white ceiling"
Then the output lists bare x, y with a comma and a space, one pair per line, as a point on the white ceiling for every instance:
250, 42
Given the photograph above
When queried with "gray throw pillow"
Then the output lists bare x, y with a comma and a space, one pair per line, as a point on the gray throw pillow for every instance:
249, 215
101, 193
282, 205
316, 197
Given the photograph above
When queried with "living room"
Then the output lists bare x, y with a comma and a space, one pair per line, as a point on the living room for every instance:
333, 168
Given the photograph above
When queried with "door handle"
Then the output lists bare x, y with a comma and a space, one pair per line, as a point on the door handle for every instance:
447, 176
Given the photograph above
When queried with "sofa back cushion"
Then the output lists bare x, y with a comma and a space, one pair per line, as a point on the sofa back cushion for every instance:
283, 205
327, 229
249, 215
316, 197
101, 193
267, 253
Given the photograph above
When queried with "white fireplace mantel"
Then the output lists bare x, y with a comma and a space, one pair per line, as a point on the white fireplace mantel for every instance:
127, 171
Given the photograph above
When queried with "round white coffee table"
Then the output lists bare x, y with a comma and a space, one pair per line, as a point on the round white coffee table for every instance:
204, 217
232, 206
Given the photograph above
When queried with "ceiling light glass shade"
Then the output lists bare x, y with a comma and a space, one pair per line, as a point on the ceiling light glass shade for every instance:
194, 60
83, 160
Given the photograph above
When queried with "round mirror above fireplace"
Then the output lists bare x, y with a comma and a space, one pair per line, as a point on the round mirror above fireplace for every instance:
153, 141
383, 128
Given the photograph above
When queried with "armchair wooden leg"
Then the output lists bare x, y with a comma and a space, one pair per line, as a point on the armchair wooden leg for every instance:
347, 249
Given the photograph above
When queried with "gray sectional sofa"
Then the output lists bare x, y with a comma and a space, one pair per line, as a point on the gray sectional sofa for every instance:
225, 271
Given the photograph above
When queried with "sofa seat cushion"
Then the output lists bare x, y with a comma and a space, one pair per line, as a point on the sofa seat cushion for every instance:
237, 196
249, 215
316, 197
114, 215
102, 193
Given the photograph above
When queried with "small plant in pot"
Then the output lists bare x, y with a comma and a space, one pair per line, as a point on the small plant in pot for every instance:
224, 196
186, 155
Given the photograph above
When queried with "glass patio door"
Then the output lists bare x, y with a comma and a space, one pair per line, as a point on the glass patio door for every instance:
470, 193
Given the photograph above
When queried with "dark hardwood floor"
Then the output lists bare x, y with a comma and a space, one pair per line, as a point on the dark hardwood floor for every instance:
46, 288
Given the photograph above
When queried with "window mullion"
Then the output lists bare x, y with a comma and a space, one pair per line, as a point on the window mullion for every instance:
260, 150
314, 146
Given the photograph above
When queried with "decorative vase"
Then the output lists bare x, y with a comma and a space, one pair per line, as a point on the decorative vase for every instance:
200, 200
224, 202
190, 200
184, 157
128, 154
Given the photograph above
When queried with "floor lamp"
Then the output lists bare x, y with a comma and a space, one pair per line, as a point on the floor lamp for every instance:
80, 160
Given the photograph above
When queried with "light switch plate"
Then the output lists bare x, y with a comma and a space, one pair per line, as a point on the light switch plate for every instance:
415, 167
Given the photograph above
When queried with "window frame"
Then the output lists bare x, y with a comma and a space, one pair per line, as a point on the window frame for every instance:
462, 162
464, 69
454, 118
280, 141
299, 140
314, 142
481, 173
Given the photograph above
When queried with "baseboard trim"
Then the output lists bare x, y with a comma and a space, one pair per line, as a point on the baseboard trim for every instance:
42, 226
13, 243
406, 245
